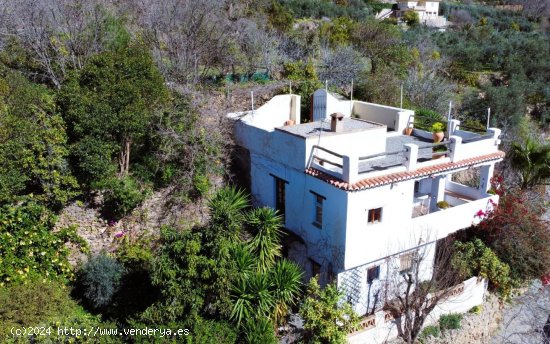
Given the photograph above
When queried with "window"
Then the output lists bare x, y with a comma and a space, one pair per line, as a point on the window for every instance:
318, 214
406, 262
373, 274
416, 187
280, 195
375, 215
315, 268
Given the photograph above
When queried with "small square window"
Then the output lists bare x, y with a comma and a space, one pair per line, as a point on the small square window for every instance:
406, 262
375, 215
373, 274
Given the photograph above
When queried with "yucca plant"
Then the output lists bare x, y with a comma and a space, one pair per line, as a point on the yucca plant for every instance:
252, 297
286, 278
264, 225
227, 211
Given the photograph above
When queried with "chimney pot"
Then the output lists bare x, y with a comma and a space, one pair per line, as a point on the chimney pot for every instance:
337, 122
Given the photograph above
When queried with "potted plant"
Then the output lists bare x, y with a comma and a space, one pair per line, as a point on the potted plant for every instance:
442, 205
438, 129
409, 130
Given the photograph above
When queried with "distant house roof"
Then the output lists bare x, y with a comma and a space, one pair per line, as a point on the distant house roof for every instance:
373, 182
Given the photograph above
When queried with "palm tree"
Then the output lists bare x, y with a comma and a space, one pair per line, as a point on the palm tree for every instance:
264, 224
252, 297
532, 160
286, 277
227, 212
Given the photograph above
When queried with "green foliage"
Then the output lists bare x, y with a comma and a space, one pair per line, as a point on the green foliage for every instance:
33, 152
473, 258
110, 102
354, 9
517, 234
265, 226
252, 297
532, 161
279, 16
429, 331
227, 212
443, 204
338, 31
411, 18
211, 332
327, 318
286, 277
258, 330
29, 247
438, 127
450, 321
100, 278
186, 151
424, 119
476, 310
192, 270
31, 303
38, 302
121, 196
382, 43
307, 83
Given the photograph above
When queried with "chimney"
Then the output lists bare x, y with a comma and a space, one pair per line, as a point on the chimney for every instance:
337, 122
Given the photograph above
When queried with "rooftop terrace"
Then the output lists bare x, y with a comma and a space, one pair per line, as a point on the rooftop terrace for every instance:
350, 125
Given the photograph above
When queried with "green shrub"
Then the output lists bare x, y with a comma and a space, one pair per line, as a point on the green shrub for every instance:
473, 258
29, 247
443, 204
100, 278
429, 331
411, 18
31, 303
212, 332
476, 309
424, 118
450, 321
43, 303
259, 330
438, 127
121, 196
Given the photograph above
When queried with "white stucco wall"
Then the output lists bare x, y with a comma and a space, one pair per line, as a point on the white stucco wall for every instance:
367, 242
365, 297
359, 143
274, 113
393, 118
472, 295
326, 244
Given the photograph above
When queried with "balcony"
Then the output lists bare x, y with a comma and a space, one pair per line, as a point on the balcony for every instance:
454, 194
406, 153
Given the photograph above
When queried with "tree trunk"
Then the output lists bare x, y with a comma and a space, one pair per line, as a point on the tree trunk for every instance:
124, 157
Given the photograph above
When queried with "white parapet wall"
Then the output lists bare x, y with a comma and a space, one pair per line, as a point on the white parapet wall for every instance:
394, 118
380, 327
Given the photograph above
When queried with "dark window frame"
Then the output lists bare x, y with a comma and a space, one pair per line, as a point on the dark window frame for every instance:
374, 216
315, 267
280, 195
373, 273
318, 209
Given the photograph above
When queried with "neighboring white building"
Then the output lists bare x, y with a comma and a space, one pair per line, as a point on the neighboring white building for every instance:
357, 194
428, 11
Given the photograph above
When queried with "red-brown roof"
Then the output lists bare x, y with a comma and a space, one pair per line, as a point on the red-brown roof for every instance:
373, 182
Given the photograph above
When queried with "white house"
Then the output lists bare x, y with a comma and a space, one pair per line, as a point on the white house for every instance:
357, 195
428, 11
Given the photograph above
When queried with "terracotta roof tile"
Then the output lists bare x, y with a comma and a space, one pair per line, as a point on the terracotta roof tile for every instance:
372, 182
